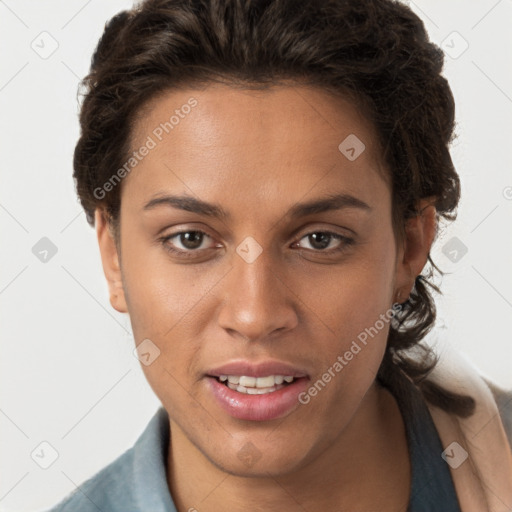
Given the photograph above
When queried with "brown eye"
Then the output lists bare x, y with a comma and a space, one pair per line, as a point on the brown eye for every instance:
191, 239
321, 240
187, 243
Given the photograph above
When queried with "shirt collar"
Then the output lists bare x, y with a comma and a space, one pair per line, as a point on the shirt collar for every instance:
149, 466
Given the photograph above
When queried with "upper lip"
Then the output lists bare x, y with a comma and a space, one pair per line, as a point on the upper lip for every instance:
257, 369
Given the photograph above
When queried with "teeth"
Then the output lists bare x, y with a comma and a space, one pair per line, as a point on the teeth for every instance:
253, 391
265, 382
247, 381
255, 385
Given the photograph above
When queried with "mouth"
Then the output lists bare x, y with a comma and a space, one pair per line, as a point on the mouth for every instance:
256, 392
255, 385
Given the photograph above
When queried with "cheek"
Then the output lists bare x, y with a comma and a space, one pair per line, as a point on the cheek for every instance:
356, 307
352, 307
163, 296
163, 302
346, 299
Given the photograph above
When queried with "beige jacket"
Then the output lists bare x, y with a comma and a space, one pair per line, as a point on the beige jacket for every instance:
483, 476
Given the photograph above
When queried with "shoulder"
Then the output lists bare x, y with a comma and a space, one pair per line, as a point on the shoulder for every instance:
455, 372
503, 399
483, 437
136, 480
108, 489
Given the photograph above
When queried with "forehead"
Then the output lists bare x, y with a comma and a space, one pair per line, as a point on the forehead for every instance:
226, 140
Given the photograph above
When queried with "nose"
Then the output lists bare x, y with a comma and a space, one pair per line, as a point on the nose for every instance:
258, 302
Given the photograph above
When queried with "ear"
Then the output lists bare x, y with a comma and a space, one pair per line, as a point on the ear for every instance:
110, 261
412, 256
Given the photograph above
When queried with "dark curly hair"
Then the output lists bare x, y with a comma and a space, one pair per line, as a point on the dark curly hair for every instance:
375, 52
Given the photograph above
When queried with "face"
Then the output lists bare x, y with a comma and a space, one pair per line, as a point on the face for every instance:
251, 245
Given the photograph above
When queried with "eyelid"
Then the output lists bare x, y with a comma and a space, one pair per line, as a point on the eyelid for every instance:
186, 227
183, 231
318, 227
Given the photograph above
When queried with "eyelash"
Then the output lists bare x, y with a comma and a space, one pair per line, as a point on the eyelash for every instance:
192, 252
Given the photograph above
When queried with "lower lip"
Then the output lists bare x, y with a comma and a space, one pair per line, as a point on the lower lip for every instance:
269, 406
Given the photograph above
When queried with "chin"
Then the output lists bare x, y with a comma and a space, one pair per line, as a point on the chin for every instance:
254, 459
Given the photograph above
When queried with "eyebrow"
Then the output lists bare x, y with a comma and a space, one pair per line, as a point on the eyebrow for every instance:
324, 204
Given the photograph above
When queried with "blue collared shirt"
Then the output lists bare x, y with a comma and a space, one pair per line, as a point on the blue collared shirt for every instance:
136, 481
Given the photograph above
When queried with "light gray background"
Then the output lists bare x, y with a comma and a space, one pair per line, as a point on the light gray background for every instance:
68, 375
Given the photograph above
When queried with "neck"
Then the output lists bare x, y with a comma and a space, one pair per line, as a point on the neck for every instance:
366, 468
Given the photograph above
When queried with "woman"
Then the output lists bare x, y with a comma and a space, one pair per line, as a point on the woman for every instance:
266, 181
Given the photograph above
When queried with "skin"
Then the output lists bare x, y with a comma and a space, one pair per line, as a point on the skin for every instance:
256, 154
